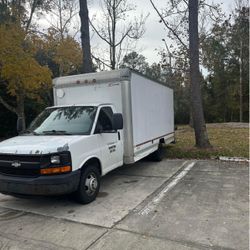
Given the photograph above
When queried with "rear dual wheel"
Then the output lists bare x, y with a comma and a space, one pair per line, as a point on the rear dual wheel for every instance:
158, 154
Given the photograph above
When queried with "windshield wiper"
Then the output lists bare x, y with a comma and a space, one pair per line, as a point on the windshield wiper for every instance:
56, 132
28, 131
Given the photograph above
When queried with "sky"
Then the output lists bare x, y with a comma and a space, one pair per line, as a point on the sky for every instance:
151, 43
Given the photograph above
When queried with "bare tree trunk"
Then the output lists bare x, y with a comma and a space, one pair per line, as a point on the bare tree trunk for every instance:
84, 16
241, 95
7, 106
113, 34
33, 8
191, 121
60, 19
20, 110
201, 136
113, 45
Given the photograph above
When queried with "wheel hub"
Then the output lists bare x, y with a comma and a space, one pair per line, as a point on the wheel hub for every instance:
91, 184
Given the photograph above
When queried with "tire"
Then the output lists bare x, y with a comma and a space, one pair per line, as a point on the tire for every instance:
89, 185
158, 154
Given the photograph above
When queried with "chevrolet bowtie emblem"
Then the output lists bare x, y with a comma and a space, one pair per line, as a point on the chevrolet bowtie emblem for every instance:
16, 164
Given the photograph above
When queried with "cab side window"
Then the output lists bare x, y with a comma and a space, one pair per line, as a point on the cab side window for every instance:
104, 121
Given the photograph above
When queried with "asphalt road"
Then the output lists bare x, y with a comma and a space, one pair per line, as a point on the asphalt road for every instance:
177, 205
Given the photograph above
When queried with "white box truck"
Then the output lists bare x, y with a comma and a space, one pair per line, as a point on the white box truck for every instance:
99, 122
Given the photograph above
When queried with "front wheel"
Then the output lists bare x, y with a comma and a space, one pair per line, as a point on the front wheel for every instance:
89, 185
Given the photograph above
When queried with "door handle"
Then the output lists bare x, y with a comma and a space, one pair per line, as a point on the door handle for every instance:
119, 136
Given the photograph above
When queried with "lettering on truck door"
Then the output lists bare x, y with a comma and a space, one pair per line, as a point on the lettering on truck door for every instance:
108, 140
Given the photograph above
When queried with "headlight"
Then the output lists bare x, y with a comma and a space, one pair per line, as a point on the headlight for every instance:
55, 159
56, 163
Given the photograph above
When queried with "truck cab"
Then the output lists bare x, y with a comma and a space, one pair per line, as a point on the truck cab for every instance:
66, 149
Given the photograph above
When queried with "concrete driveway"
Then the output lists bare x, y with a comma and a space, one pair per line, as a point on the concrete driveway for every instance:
173, 204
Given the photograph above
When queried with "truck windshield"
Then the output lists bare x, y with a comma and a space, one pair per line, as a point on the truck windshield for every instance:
75, 120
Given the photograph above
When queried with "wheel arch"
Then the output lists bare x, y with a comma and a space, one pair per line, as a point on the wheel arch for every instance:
93, 161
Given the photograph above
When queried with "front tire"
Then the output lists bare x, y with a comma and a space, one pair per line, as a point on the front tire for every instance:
89, 185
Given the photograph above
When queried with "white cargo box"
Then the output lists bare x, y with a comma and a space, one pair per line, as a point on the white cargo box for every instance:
147, 106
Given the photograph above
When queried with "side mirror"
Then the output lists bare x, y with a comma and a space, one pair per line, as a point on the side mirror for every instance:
19, 125
117, 121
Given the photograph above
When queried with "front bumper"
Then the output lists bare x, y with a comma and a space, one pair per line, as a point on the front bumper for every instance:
42, 185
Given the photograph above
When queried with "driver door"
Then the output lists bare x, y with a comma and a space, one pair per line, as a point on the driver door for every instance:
110, 141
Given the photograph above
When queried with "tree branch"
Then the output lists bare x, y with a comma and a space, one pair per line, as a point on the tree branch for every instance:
168, 27
68, 21
98, 33
185, 1
6, 105
98, 59
209, 5
33, 8
123, 37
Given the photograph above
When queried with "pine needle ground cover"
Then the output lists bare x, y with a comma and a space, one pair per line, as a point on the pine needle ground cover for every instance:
227, 139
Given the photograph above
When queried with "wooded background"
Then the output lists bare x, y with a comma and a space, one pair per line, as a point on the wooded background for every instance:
31, 56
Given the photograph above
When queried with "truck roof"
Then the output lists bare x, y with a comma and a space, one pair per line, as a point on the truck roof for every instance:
103, 76
99, 77
81, 105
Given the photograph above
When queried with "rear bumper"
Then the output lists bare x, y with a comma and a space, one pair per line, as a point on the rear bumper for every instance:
43, 185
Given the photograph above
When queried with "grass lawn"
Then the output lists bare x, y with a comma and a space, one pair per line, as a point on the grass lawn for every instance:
227, 139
